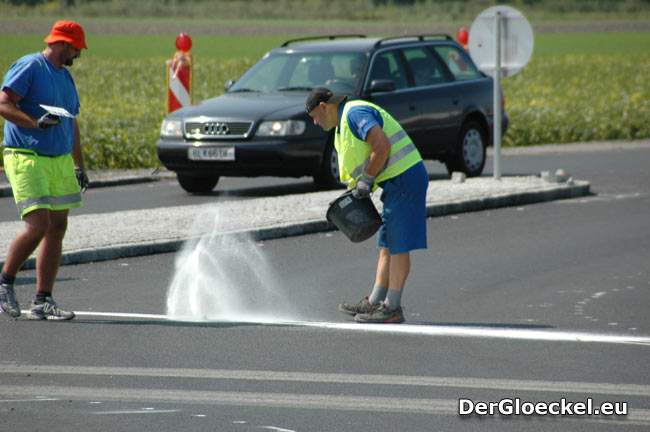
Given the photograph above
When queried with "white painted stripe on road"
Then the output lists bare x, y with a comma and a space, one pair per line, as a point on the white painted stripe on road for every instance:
487, 332
122, 315
135, 412
288, 400
38, 399
337, 378
277, 429
285, 400
416, 329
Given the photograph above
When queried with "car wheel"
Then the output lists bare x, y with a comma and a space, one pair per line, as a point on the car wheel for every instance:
197, 184
328, 176
470, 151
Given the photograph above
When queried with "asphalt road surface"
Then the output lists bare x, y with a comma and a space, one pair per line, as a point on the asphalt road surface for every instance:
543, 304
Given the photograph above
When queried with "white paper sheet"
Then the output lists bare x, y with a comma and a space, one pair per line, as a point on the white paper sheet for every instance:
61, 112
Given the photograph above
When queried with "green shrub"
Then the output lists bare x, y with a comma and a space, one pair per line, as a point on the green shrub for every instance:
579, 98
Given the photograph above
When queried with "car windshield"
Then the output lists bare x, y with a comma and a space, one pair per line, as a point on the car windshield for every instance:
341, 72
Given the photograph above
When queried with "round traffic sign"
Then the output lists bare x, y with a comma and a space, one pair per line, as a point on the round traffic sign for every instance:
516, 40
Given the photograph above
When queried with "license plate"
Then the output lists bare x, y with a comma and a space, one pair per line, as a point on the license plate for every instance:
211, 153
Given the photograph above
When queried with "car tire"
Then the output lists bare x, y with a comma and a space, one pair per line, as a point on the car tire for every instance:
328, 174
197, 184
470, 151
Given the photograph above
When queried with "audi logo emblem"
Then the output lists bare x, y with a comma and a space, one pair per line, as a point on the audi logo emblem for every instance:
216, 129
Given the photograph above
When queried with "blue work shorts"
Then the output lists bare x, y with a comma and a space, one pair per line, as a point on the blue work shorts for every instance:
404, 216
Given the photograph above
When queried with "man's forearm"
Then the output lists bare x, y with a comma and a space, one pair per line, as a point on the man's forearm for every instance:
77, 153
10, 111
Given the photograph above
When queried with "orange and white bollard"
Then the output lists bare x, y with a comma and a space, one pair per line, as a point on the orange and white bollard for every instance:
179, 75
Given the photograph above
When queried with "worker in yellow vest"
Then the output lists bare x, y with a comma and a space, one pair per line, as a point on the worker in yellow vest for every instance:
374, 151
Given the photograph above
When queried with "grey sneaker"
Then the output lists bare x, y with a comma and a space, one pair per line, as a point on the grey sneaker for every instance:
49, 310
8, 303
364, 306
383, 314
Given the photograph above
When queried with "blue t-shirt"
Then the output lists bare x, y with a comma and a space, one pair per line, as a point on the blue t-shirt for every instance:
361, 119
39, 82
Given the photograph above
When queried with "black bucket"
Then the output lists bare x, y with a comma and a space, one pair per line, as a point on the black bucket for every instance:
356, 217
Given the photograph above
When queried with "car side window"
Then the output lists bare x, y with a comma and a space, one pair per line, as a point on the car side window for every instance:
388, 66
459, 63
424, 67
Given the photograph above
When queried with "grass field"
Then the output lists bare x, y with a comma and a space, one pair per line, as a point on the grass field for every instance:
150, 46
218, 47
578, 86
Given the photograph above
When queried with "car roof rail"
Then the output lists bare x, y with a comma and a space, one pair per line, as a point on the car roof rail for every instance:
418, 37
330, 37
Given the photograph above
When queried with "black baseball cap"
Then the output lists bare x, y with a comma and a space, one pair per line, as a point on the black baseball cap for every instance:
322, 94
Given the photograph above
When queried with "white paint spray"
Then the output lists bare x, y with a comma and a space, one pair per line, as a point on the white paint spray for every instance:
222, 277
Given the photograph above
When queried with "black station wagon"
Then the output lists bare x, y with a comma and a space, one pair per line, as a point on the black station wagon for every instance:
259, 126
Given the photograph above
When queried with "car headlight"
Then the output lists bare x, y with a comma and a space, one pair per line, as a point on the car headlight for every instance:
281, 128
171, 128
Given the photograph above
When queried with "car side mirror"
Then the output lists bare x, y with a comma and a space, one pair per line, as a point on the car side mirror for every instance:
229, 84
381, 85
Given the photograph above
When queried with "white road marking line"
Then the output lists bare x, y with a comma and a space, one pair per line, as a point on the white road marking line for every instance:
37, 399
288, 400
488, 332
277, 429
122, 315
415, 329
284, 400
135, 412
337, 378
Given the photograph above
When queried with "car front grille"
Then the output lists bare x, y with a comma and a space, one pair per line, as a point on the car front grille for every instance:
217, 129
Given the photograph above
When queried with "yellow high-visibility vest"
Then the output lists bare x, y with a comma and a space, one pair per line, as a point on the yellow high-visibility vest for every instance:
354, 153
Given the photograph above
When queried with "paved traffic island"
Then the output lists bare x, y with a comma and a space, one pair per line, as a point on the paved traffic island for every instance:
108, 236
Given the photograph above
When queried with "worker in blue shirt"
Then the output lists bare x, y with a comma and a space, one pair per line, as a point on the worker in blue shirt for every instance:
374, 151
43, 162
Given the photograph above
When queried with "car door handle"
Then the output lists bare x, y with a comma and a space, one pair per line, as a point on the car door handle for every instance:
455, 101
412, 107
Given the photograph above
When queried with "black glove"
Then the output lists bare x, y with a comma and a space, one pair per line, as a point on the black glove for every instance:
364, 186
48, 120
82, 178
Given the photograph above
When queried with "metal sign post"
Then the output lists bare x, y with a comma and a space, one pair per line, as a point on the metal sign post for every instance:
500, 43
497, 96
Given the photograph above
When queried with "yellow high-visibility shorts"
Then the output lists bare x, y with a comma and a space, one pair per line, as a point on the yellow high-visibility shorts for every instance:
41, 182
